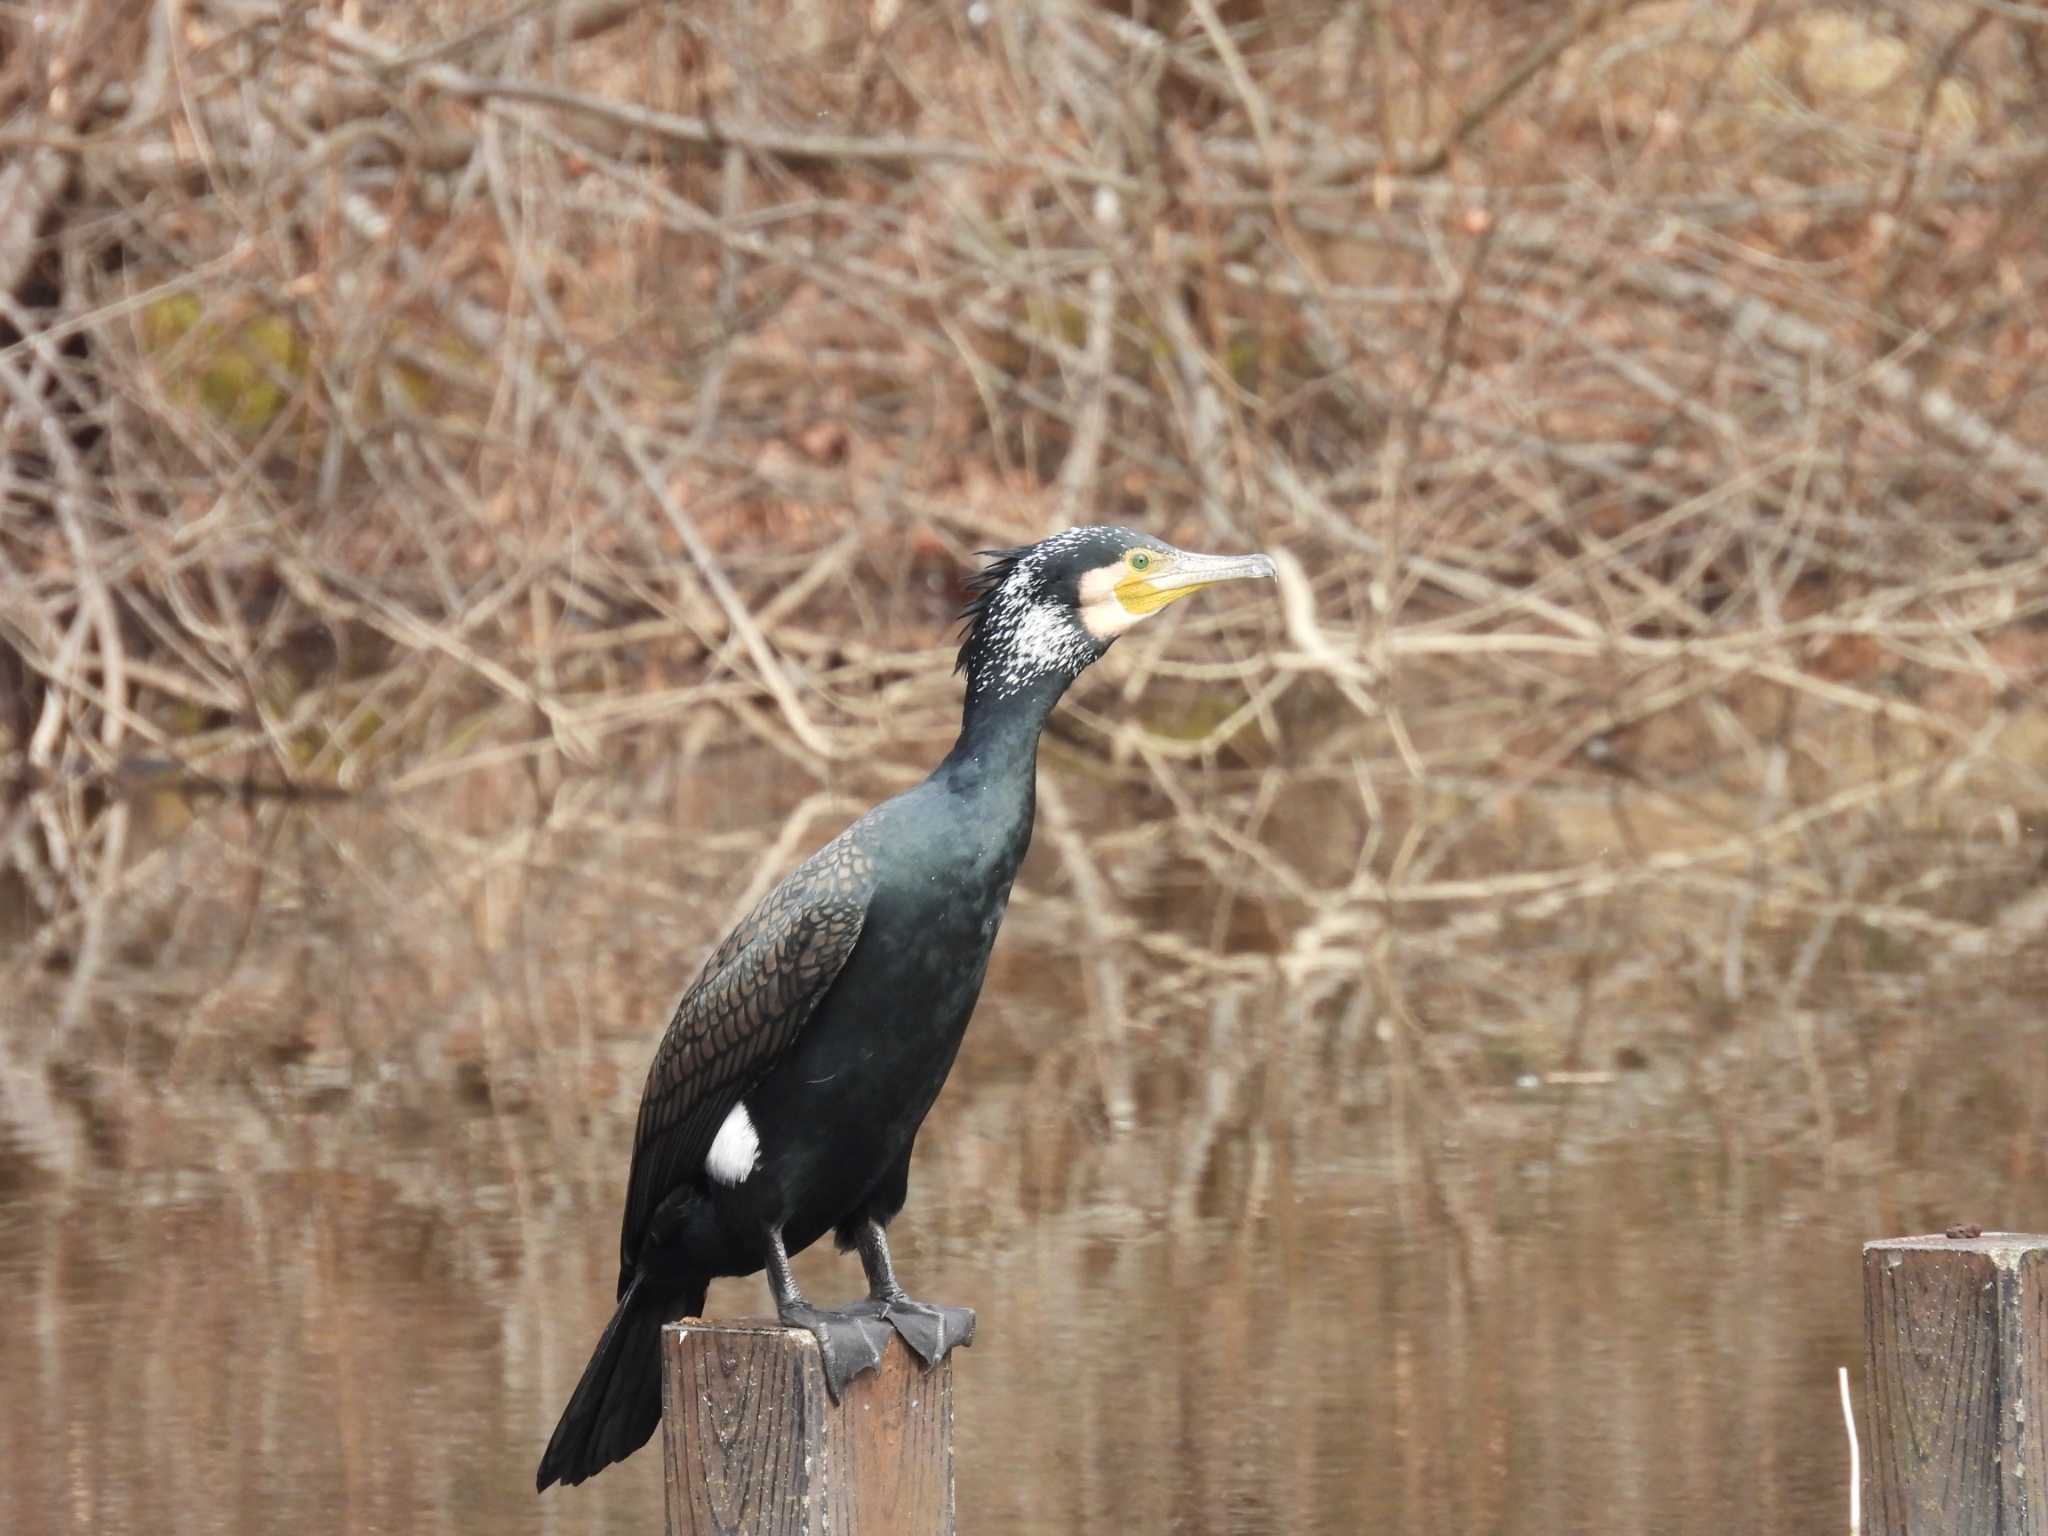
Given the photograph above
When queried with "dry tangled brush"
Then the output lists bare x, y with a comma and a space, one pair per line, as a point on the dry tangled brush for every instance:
1645, 399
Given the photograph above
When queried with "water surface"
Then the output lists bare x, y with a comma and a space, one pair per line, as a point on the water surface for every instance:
318, 1236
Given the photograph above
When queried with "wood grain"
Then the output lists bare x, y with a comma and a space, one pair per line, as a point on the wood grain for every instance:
1956, 1331
753, 1445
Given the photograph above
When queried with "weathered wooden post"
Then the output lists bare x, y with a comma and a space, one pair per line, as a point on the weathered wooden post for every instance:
754, 1446
1956, 1330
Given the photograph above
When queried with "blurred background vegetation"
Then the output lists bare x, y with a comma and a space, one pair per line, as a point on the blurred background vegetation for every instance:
486, 488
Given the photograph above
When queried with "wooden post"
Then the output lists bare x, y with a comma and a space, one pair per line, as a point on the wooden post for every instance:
753, 1445
1956, 1330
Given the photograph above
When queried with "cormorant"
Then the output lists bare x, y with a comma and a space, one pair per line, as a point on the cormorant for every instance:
786, 1093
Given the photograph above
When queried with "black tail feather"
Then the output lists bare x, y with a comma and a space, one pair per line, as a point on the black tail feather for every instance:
616, 1407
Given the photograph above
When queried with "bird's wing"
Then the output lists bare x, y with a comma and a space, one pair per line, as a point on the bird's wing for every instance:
742, 1013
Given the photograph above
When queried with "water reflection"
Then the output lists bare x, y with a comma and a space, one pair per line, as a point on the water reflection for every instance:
334, 1249
1625, 1341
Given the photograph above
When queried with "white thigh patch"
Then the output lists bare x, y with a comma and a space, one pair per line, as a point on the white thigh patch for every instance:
735, 1150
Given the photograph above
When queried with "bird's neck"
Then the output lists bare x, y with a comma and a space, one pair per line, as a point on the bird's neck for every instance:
997, 750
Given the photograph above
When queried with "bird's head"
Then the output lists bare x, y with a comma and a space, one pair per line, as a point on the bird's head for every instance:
1053, 607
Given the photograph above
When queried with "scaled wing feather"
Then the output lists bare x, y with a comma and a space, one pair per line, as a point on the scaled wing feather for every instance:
752, 1000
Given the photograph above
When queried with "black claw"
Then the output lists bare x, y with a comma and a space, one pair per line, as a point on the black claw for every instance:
849, 1342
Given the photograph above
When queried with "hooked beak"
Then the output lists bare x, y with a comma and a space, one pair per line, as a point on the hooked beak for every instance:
1190, 572
1186, 575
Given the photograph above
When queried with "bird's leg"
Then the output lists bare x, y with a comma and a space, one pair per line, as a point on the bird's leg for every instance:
849, 1342
933, 1332
874, 1258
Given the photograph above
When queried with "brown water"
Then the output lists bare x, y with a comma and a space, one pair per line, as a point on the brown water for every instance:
317, 1236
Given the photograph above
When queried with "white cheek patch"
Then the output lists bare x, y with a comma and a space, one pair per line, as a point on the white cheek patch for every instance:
736, 1149
1103, 613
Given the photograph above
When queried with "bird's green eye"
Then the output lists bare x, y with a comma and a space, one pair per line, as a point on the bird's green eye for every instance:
1138, 560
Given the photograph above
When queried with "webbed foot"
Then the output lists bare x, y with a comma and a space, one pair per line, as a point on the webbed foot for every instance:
850, 1341
932, 1332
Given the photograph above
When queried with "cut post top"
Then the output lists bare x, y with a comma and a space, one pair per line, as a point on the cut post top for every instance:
2003, 1248
740, 1325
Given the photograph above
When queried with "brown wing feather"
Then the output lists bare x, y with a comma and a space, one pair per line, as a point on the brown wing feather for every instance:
754, 996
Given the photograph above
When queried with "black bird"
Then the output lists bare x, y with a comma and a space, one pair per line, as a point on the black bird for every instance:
786, 1093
